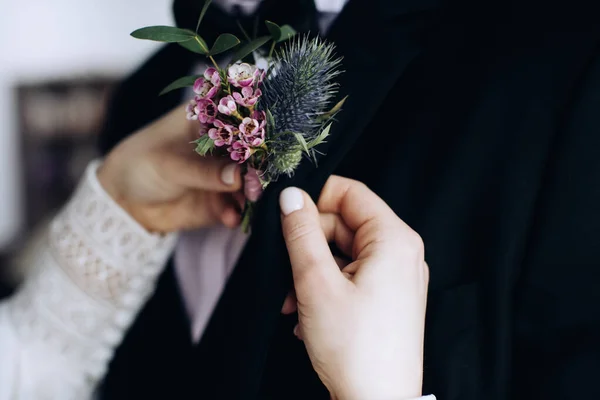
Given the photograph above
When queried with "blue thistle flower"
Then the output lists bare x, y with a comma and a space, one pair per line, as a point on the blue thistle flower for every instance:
297, 92
300, 86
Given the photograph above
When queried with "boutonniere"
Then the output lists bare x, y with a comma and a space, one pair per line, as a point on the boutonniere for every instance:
265, 118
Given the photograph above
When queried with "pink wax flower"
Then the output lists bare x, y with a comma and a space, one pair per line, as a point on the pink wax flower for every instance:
260, 116
204, 89
206, 111
222, 134
239, 151
248, 97
227, 105
203, 130
207, 87
213, 76
261, 76
191, 109
243, 75
253, 131
252, 186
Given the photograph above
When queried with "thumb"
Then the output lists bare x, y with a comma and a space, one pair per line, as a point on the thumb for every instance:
202, 173
313, 265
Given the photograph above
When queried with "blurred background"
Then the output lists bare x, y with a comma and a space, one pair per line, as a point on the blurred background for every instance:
59, 60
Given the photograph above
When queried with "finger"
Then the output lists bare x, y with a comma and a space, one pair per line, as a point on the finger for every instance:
313, 266
346, 267
206, 173
200, 209
373, 221
177, 126
290, 305
230, 217
350, 270
298, 332
337, 232
353, 201
229, 213
240, 199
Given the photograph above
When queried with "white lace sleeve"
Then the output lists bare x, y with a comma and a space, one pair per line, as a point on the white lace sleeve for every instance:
90, 278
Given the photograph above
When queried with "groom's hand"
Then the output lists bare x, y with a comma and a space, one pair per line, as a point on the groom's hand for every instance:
363, 325
156, 176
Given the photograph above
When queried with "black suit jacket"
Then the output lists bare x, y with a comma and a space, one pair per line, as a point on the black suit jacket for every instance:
478, 124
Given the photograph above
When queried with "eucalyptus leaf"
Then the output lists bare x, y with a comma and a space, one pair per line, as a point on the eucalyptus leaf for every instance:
249, 47
321, 138
195, 44
204, 8
166, 34
223, 43
325, 116
274, 30
204, 145
186, 81
285, 32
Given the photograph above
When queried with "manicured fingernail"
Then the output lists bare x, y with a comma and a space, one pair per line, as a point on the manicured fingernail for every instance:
228, 174
291, 200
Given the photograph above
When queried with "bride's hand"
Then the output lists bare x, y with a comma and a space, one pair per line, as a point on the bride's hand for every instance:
362, 326
156, 176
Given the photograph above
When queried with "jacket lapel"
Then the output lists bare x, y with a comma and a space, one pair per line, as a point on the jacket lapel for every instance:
237, 340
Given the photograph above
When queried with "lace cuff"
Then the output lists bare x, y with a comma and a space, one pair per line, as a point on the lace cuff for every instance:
90, 279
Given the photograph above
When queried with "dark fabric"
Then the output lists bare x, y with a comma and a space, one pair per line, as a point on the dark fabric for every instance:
478, 125
301, 14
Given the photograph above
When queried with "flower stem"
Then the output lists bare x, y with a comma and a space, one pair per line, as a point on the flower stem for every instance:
247, 216
272, 49
206, 50
214, 62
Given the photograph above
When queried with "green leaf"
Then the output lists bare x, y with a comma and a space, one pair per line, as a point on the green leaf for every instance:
223, 43
167, 34
338, 106
302, 141
249, 48
204, 145
325, 116
280, 33
204, 8
270, 120
196, 44
186, 81
285, 33
274, 30
321, 138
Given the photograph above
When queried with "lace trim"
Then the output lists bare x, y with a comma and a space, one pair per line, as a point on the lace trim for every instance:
98, 268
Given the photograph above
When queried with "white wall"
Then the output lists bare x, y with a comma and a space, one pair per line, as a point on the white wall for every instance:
42, 39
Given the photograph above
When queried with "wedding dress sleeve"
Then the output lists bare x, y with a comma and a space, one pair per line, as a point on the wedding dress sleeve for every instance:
90, 277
